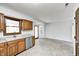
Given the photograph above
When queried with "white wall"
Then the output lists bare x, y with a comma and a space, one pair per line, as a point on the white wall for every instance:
60, 30
64, 28
10, 12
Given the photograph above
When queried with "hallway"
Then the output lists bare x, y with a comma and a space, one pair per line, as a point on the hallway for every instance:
48, 47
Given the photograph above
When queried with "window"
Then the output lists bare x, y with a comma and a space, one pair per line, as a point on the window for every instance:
12, 26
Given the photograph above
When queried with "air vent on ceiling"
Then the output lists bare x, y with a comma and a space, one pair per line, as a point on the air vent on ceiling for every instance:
66, 4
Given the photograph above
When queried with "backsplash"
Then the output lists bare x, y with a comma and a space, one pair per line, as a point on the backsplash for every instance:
23, 33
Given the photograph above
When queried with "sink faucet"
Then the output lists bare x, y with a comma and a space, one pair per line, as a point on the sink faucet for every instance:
14, 36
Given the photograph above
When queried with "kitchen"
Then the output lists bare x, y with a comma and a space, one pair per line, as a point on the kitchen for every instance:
31, 29
13, 42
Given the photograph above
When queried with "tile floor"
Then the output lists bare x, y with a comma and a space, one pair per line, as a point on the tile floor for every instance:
48, 47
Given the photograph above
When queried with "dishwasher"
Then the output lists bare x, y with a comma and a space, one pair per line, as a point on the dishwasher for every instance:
28, 42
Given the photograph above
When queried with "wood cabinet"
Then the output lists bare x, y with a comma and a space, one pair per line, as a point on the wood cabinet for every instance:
15, 47
3, 49
1, 21
21, 45
26, 25
12, 48
33, 40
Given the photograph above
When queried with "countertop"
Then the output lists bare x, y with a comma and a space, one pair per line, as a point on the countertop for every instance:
10, 38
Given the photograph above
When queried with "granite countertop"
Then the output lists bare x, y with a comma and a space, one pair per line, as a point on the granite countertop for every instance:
10, 38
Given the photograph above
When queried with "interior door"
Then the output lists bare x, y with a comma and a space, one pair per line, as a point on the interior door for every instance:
77, 32
36, 30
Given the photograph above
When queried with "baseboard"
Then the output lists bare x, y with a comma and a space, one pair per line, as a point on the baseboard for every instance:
66, 42
20, 52
24, 50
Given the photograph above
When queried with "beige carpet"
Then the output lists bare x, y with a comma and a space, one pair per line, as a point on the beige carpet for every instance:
48, 47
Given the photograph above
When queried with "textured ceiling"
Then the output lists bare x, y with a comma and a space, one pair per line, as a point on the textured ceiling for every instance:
47, 12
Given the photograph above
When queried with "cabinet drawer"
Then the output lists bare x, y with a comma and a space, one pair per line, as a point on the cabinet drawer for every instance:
11, 42
20, 40
2, 44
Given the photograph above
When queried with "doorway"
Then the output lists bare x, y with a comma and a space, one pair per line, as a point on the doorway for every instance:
36, 31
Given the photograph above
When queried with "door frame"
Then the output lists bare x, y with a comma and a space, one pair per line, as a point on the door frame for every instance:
38, 31
76, 21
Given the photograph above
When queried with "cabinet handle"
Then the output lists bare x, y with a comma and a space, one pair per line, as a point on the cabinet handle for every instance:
75, 37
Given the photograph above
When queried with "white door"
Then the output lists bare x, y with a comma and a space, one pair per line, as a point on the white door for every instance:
36, 30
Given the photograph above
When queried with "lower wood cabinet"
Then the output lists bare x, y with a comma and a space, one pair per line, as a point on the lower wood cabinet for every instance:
21, 45
3, 49
12, 48
33, 40
15, 47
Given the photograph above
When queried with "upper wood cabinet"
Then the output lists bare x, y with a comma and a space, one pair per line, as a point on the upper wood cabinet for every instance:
27, 25
1, 21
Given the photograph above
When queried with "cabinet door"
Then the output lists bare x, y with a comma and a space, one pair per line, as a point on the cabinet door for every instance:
3, 49
12, 48
21, 45
1, 21
26, 25
33, 40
